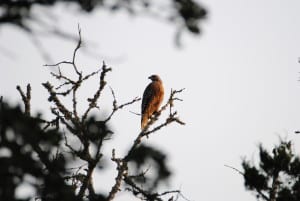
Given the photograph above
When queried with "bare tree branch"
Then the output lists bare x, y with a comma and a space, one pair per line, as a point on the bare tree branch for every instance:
122, 172
102, 83
26, 98
116, 107
90, 133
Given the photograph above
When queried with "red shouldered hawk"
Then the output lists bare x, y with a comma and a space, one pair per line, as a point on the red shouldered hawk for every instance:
152, 98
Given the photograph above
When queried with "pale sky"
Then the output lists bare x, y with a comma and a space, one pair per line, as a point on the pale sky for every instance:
240, 78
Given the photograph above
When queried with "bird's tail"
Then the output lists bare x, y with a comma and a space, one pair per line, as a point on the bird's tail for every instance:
144, 121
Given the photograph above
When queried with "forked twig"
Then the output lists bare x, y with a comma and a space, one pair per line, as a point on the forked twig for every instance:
26, 98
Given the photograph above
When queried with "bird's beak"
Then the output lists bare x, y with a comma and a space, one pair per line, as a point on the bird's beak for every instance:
150, 77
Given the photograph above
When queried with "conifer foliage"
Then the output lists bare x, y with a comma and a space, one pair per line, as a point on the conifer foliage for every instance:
277, 175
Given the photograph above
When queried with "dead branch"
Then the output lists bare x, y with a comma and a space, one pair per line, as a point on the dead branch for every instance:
77, 125
74, 56
172, 118
122, 172
26, 98
102, 83
122, 162
235, 169
136, 190
116, 107
53, 97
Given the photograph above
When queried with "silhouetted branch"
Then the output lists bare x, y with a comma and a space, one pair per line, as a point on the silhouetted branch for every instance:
90, 134
76, 125
235, 169
136, 190
172, 118
116, 107
122, 172
79, 127
172, 115
53, 122
122, 162
73, 63
243, 174
53, 97
102, 83
26, 98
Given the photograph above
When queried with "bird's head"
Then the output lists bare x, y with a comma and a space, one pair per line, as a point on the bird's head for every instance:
154, 78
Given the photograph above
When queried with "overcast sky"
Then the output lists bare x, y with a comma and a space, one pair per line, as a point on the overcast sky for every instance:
240, 78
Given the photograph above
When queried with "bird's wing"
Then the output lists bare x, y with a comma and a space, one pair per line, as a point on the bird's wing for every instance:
148, 95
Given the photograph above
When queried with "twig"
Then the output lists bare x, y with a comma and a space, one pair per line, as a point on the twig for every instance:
75, 51
148, 195
122, 163
73, 151
138, 114
122, 172
235, 169
53, 122
169, 120
57, 102
87, 180
102, 83
241, 173
172, 118
77, 168
180, 194
26, 98
138, 190
60, 76
57, 64
116, 107
170, 103
77, 124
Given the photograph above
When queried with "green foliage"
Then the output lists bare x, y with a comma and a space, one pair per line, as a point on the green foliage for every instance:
253, 179
28, 152
148, 155
186, 13
32, 150
277, 177
191, 13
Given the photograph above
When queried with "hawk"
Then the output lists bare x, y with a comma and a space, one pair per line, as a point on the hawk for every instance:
152, 98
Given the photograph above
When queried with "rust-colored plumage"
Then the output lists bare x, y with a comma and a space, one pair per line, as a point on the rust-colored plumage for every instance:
152, 98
